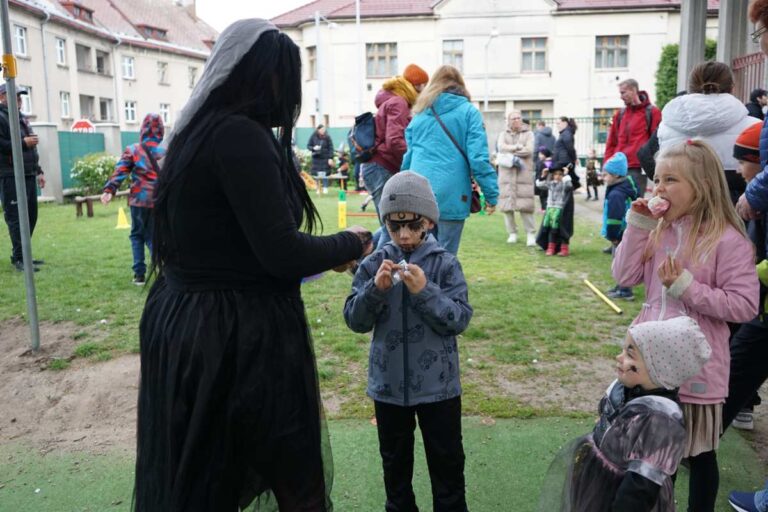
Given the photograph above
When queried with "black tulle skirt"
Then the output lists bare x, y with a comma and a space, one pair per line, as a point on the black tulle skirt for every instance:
229, 413
582, 479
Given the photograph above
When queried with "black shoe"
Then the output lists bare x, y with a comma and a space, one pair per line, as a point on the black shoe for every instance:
363, 207
38, 262
139, 279
608, 250
19, 266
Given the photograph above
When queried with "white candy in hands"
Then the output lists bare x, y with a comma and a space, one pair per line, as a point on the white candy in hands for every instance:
658, 206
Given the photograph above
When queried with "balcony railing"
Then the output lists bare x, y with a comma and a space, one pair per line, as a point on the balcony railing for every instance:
749, 73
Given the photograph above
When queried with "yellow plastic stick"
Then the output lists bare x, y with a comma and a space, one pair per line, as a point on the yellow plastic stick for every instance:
608, 301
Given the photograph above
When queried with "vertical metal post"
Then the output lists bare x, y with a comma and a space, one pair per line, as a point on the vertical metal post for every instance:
319, 63
9, 73
360, 56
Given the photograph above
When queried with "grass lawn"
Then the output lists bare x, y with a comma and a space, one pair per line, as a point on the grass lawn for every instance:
506, 463
533, 315
535, 323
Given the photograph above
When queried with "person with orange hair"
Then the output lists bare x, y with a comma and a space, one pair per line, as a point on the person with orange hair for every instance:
394, 102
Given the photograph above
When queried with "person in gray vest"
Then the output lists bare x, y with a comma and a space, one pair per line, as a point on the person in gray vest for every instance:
33, 177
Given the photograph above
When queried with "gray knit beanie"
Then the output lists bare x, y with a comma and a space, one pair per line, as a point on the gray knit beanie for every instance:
407, 191
674, 350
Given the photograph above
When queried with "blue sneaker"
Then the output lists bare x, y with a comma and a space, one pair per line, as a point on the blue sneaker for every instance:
742, 501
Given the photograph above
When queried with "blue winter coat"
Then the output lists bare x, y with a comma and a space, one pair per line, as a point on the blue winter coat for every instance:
422, 367
618, 198
757, 194
432, 154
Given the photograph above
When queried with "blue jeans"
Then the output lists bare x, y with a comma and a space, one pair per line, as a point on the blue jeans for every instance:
141, 234
448, 234
375, 176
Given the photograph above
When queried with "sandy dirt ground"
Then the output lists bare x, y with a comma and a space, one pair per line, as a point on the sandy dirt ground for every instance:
91, 406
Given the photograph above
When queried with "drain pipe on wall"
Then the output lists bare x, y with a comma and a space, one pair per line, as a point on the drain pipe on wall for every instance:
45, 67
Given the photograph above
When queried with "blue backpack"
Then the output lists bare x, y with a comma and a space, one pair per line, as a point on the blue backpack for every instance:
362, 137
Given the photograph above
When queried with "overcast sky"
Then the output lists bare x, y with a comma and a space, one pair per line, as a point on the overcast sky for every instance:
220, 13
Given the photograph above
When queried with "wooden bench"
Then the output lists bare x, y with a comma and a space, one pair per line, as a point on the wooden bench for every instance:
88, 200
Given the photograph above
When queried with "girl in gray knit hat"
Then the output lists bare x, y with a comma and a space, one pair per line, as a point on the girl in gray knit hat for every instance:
627, 461
412, 294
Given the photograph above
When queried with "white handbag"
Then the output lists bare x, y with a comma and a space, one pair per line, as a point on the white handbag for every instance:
505, 159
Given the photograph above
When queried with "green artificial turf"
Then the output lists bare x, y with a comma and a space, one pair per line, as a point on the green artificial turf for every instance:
505, 464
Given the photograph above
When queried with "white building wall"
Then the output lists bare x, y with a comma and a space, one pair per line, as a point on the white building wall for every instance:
145, 89
571, 85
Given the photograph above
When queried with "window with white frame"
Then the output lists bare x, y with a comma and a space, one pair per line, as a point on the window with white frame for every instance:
453, 53
611, 52
191, 76
25, 107
130, 111
534, 54
128, 67
61, 51
162, 73
311, 62
64, 105
20, 40
381, 59
165, 113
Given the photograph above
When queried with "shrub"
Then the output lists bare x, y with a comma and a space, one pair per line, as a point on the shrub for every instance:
91, 172
666, 74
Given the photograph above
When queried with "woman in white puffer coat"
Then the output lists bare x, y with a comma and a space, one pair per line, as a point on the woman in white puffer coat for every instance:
711, 113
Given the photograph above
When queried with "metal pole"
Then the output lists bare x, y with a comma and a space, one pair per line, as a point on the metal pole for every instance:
485, 102
359, 60
9, 73
318, 51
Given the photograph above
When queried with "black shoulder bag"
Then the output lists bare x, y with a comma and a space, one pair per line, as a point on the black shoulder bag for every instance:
475, 205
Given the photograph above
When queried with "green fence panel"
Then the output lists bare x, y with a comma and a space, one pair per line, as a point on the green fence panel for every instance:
338, 135
128, 138
74, 145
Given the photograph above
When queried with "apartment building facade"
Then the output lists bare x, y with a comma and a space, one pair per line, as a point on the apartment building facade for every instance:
109, 61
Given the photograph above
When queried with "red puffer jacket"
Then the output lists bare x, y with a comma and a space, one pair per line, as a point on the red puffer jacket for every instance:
633, 131
392, 118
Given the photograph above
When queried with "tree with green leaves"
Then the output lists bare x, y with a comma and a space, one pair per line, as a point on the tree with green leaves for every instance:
666, 74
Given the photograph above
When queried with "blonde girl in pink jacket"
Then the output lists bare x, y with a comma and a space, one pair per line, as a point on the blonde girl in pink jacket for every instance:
690, 250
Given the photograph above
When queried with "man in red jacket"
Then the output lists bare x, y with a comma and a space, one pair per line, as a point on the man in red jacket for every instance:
394, 102
631, 127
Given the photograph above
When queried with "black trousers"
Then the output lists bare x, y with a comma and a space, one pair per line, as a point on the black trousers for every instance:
440, 425
641, 180
749, 367
11, 210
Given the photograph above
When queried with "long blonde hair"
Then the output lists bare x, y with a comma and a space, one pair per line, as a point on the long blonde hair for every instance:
444, 79
711, 209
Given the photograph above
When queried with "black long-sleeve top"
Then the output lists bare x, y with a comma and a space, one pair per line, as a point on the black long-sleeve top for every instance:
234, 219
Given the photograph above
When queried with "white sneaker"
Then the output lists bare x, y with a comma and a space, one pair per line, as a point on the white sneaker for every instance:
744, 420
531, 242
512, 238
325, 190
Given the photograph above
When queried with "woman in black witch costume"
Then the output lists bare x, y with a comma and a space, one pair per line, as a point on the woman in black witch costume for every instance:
229, 411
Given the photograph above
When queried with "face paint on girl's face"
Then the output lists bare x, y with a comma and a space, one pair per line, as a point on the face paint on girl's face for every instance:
630, 367
408, 230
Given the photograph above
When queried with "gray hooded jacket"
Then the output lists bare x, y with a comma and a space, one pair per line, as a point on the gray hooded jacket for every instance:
422, 367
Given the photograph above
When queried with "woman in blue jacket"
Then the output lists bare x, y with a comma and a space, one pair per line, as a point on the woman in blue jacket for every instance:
447, 144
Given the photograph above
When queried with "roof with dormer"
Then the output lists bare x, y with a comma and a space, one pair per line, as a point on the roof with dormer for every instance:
122, 21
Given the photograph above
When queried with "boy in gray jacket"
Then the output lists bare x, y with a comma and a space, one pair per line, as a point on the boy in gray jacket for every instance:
414, 286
